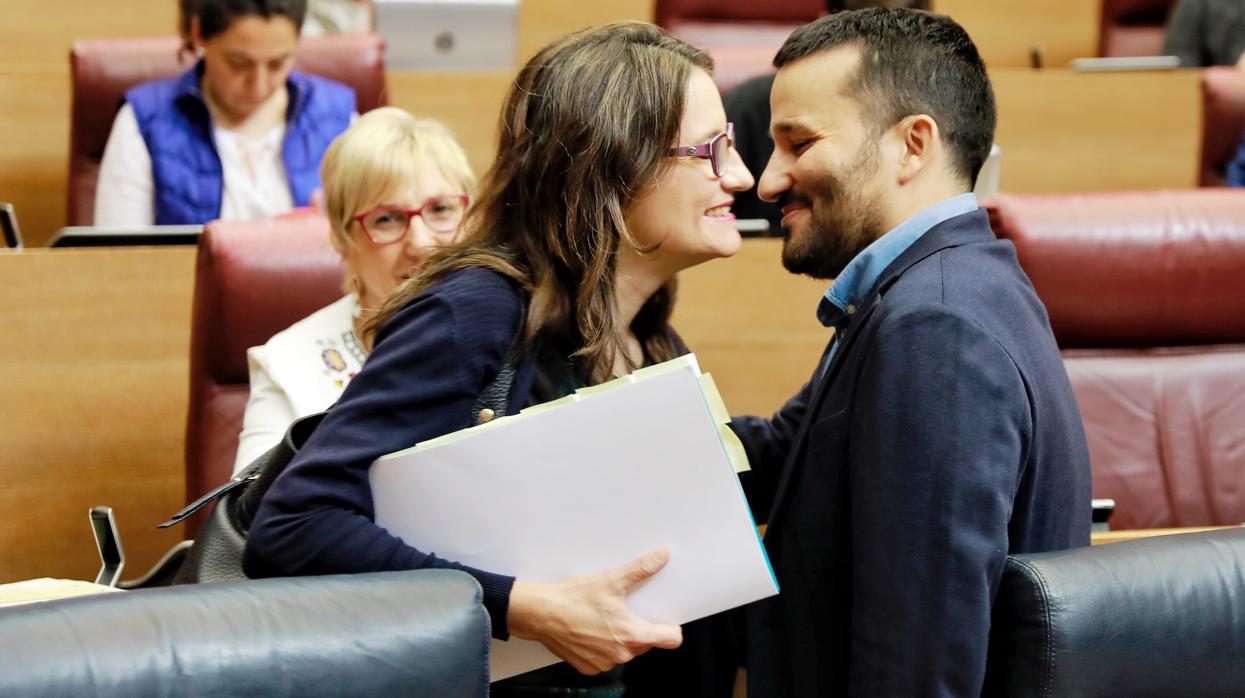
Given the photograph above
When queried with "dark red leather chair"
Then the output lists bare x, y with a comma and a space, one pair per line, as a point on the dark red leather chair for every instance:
252, 280
742, 36
1223, 121
102, 70
1146, 296
1133, 27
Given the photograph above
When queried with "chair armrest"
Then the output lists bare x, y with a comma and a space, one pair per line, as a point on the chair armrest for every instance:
411, 633
1157, 616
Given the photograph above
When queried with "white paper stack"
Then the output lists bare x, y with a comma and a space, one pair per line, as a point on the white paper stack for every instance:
586, 484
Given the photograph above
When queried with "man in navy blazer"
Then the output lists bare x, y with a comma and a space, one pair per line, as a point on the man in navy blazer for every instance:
940, 432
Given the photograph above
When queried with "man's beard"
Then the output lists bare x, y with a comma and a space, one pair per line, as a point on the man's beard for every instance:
844, 221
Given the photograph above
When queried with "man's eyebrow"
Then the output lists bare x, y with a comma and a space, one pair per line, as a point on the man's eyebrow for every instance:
786, 126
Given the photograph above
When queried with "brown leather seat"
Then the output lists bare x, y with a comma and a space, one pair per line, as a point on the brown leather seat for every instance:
1146, 296
1223, 121
742, 36
252, 280
102, 70
1133, 27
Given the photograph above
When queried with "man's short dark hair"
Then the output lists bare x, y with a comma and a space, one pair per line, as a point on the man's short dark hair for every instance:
911, 62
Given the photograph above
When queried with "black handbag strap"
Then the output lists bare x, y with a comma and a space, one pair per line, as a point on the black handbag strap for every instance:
255, 479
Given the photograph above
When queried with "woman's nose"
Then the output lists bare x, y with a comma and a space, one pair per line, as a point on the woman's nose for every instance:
419, 239
736, 177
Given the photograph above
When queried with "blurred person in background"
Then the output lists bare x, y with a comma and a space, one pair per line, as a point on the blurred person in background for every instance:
1203, 33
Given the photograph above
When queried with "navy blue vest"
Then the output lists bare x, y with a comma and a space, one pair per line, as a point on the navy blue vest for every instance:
174, 121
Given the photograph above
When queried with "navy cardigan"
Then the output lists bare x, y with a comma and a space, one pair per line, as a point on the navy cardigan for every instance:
429, 365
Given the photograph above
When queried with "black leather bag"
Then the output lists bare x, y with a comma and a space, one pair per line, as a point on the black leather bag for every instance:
216, 555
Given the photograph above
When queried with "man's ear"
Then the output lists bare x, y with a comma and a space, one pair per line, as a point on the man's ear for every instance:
921, 141
196, 35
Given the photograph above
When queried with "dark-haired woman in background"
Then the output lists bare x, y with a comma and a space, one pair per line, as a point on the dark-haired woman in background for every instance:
615, 170
238, 136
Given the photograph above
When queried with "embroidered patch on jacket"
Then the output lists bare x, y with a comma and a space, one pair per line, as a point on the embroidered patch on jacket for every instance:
333, 359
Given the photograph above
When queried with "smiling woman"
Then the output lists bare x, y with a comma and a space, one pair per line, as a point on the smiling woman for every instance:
568, 255
238, 136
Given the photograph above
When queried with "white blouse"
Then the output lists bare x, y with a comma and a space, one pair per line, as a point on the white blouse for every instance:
255, 183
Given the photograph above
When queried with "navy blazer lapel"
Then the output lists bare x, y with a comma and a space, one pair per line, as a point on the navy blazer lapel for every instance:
968, 228
796, 457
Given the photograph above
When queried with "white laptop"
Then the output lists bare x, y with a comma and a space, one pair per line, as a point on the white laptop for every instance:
449, 34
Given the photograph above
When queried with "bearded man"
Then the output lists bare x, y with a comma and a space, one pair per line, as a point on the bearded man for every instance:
939, 432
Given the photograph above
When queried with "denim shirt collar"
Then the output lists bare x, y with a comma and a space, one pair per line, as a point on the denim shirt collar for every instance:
851, 286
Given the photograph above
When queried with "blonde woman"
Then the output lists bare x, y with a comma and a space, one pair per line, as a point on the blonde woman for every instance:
395, 189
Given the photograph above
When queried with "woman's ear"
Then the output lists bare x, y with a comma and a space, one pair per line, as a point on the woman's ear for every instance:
920, 140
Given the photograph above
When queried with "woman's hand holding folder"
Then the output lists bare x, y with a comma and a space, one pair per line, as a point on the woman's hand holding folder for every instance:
584, 619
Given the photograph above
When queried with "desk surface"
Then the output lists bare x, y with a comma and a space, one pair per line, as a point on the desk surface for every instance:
1105, 537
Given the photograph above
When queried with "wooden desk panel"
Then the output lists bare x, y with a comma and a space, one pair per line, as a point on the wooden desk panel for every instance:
1067, 132
1005, 30
95, 381
38, 32
34, 148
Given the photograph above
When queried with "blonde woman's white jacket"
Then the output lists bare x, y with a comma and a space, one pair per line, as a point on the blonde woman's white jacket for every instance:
300, 371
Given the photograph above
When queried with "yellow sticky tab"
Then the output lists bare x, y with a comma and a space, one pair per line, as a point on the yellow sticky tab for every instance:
734, 449
717, 407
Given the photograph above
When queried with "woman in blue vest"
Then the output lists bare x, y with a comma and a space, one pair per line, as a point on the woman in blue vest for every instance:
238, 136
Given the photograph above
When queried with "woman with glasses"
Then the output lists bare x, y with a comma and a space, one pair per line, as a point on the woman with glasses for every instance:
395, 190
614, 171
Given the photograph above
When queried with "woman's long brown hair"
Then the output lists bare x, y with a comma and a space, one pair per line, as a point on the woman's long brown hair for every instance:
585, 129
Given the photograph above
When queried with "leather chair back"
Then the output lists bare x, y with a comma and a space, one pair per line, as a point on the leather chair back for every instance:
668, 12
102, 70
1223, 121
252, 280
1133, 27
742, 36
422, 633
1159, 616
1146, 296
